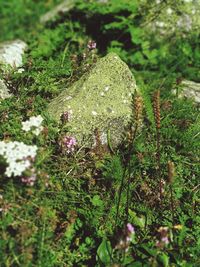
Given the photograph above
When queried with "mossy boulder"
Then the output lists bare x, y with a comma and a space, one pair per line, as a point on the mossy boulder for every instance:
100, 99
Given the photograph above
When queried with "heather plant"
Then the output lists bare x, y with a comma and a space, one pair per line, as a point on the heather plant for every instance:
137, 204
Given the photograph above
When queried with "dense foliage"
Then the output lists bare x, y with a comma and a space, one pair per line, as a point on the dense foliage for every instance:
135, 205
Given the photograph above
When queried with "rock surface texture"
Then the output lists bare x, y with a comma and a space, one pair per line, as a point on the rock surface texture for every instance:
4, 93
60, 9
101, 100
190, 89
11, 53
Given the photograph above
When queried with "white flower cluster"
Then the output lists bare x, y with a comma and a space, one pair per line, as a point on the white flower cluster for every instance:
18, 156
34, 123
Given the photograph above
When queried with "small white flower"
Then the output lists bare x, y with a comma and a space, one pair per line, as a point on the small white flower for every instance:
38, 130
20, 70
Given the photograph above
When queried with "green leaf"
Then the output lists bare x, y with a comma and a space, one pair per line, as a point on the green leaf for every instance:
151, 55
163, 260
88, 240
138, 58
116, 43
104, 252
187, 50
136, 35
137, 221
145, 45
147, 251
136, 264
96, 201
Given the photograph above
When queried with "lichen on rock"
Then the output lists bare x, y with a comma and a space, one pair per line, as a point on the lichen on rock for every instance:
100, 99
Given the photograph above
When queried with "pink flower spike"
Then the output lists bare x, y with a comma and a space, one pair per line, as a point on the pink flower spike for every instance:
66, 116
165, 240
91, 45
69, 143
130, 228
29, 180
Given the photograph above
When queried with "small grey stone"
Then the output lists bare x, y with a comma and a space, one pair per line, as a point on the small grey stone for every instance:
11, 53
190, 89
4, 93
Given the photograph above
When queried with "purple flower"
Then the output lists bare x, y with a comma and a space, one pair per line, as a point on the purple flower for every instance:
91, 45
165, 240
69, 143
30, 181
130, 228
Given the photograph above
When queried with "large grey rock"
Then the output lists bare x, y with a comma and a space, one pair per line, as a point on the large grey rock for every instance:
4, 93
11, 53
190, 89
62, 8
100, 99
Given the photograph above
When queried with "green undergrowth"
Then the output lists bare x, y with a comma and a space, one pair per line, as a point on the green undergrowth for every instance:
24, 19
77, 211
